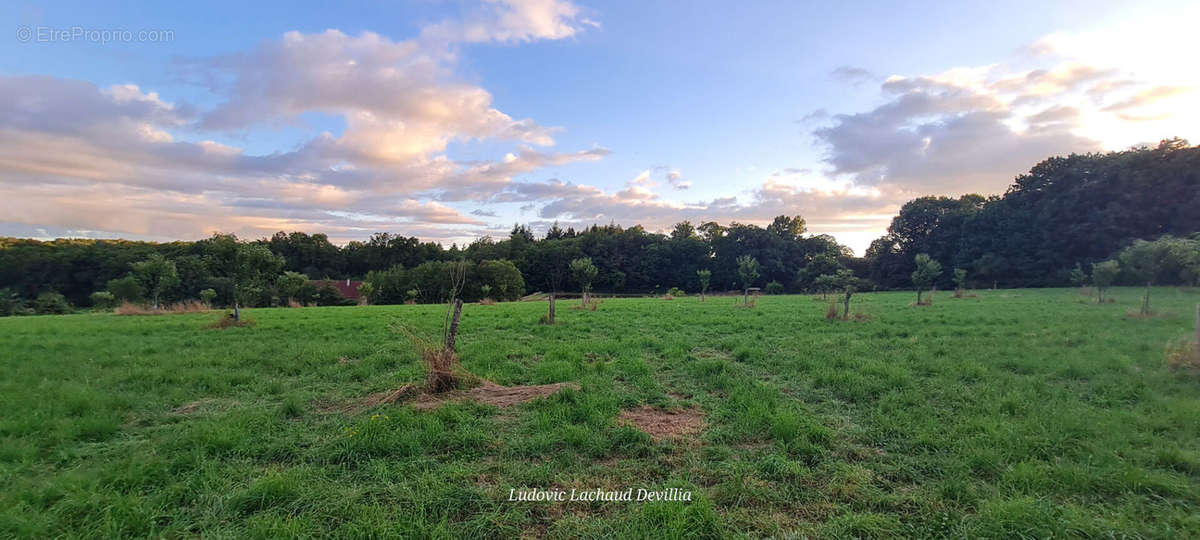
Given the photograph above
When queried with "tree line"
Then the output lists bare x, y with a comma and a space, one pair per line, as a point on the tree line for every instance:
1067, 213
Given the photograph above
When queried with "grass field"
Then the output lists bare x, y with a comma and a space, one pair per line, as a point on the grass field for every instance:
1013, 413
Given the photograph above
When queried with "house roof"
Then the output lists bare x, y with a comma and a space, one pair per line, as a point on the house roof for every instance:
345, 287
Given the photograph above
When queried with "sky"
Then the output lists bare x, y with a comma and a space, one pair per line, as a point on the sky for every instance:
453, 120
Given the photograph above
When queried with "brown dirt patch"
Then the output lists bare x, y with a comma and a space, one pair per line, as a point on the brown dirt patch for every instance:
490, 393
660, 424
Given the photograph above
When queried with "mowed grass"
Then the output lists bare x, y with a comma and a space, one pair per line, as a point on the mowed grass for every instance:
1013, 413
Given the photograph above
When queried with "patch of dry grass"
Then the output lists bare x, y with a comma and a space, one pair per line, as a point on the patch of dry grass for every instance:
831, 311
1183, 354
187, 306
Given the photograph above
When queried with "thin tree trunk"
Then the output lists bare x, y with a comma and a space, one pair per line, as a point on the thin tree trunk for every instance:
237, 313
1146, 300
551, 308
918, 297
846, 311
746, 298
452, 334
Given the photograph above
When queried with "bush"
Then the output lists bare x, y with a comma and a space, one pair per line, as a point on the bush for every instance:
10, 303
207, 296
676, 292
126, 289
51, 303
502, 277
103, 300
774, 287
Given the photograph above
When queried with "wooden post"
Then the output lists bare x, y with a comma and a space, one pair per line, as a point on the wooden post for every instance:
453, 333
551, 308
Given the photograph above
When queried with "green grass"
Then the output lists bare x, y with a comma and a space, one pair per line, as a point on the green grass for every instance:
1015, 413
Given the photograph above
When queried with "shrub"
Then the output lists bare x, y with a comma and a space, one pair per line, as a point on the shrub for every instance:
126, 289
51, 303
774, 287
207, 296
502, 277
676, 292
103, 300
925, 275
10, 303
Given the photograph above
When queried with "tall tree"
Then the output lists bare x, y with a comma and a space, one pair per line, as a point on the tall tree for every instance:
157, 274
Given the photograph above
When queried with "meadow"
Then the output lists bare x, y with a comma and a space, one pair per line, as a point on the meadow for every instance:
1011, 413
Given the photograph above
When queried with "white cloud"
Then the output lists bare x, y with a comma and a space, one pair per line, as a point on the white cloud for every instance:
512, 21
973, 129
63, 142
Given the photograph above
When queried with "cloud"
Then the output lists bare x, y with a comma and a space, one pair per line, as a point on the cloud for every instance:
513, 21
122, 158
855, 76
675, 178
854, 213
1147, 97
974, 129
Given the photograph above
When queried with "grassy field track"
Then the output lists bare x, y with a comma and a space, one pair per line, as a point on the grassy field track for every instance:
1011, 413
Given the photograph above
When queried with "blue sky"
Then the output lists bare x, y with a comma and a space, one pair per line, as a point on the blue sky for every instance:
452, 120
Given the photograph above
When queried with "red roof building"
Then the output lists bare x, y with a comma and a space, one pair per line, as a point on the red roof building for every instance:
345, 287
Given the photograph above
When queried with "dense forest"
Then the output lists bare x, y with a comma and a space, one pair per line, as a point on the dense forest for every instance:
1071, 210
1066, 212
